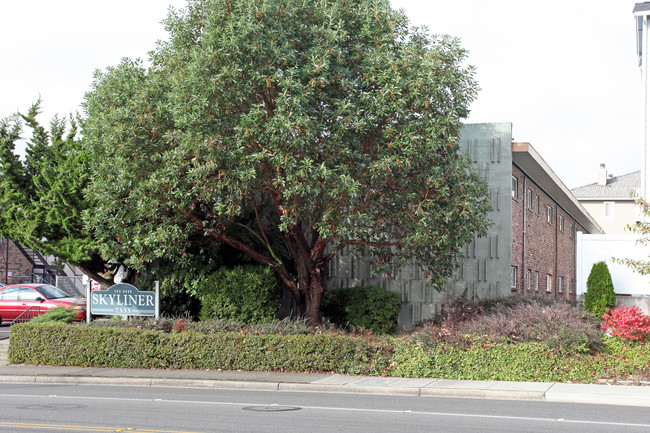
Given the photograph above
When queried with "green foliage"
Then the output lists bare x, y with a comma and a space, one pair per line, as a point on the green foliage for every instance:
369, 307
325, 123
57, 314
247, 294
642, 228
477, 359
600, 290
488, 360
56, 344
42, 197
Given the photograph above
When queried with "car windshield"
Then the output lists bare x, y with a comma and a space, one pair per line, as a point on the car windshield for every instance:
51, 292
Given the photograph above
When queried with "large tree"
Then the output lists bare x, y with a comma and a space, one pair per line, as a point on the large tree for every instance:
332, 122
41, 196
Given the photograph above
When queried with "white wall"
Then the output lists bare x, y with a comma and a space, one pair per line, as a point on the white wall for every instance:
595, 248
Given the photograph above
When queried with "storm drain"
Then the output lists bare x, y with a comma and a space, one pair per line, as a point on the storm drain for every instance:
271, 408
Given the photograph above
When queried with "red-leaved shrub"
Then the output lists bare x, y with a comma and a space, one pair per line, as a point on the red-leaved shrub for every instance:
627, 323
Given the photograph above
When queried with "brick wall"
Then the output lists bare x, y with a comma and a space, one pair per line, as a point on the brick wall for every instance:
18, 264
547, 257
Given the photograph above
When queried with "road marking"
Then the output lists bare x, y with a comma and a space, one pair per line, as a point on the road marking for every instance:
341, 409
73, 428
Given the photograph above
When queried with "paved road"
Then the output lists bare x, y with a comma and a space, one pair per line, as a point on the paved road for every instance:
4, 331
38, 408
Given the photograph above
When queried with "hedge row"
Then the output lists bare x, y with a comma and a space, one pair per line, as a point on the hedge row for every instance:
78, 345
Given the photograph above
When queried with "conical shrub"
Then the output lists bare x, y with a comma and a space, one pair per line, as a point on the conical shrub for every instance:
600, 290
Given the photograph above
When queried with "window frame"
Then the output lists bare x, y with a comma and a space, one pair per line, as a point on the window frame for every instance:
515, 187
549, 214
549, 283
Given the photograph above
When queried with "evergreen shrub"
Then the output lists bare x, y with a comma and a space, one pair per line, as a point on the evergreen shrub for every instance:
57, 314
368, 307
600, 290
247, 294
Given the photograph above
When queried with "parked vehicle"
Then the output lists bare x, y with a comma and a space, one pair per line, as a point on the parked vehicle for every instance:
22, 302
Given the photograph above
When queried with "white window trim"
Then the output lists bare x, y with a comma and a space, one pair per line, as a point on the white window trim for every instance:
612, 208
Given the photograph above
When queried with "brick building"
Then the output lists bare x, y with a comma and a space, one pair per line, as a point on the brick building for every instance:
19, 264
529, 249
545, 220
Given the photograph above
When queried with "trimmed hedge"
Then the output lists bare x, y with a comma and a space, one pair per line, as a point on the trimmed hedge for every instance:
80, 345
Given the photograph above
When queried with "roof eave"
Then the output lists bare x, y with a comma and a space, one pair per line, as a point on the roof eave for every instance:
528, 160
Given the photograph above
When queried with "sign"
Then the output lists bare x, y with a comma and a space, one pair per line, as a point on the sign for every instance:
123, 299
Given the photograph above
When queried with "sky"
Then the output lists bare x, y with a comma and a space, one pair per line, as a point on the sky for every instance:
564, 73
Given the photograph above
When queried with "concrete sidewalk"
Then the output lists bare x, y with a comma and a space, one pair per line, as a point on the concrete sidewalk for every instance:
332, 383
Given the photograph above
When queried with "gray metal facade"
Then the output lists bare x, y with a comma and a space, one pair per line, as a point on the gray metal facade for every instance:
485, 270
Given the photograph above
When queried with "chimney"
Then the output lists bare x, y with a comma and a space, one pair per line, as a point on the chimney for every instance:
602, 175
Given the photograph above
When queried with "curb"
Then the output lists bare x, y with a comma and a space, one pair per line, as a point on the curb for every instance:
441, 388
271, 386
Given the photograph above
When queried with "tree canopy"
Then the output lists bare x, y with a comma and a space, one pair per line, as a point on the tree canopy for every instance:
41, 197
332, 123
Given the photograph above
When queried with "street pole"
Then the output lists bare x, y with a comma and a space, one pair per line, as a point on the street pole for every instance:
7, 262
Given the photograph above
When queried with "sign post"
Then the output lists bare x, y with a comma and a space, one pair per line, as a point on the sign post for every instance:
157, 315
88, 315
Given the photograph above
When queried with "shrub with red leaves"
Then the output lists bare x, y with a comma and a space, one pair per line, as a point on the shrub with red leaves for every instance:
627, 323
181, 325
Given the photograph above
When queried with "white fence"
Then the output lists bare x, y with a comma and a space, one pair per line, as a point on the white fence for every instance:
631, 288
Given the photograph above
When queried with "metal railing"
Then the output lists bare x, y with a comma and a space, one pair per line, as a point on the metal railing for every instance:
73, 285
28, 315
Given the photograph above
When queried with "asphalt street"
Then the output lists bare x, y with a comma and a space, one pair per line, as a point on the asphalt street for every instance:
52, 407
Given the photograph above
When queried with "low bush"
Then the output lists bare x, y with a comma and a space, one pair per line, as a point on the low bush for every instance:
57, 314
631, 324
368, 307
286, 326
514, 320
247, 294
471, 351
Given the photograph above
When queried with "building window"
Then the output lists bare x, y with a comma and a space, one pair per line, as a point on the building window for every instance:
549, 283
513, 277
549, 214
529, 278
515, 187
561, 223
572, 231
609, 209
537, 204
560, 282
529, 199
536, 281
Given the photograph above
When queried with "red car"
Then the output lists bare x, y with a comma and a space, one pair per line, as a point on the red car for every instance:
22, 302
